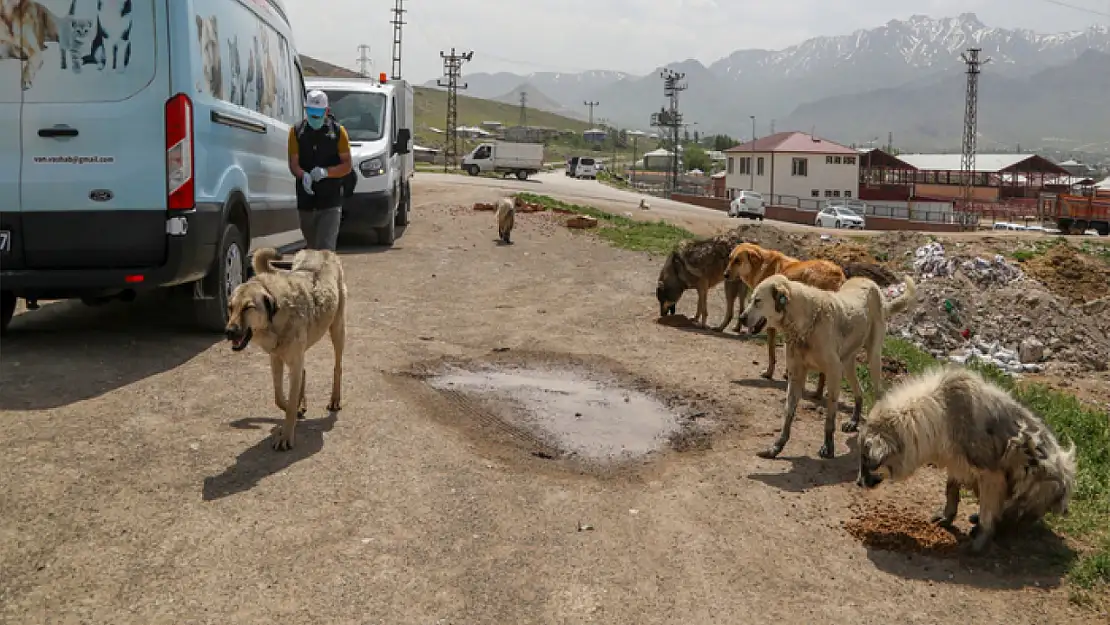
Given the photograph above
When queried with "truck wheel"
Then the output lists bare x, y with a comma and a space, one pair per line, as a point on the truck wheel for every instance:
405, 206
7, 310
472, 170
521, 174
229, 272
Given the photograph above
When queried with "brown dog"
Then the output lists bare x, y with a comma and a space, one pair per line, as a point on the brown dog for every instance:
698, 264
753, 264
25, 28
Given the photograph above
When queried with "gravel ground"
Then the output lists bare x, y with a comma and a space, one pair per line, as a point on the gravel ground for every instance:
140, 488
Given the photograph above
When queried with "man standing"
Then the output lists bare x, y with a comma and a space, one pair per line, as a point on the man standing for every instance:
319, 158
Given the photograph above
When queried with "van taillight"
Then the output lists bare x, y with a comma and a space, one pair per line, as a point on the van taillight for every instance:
180, 190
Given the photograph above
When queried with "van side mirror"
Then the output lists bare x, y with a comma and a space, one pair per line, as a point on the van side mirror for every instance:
404, 138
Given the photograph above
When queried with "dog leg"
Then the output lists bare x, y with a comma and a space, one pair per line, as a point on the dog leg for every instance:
302, 408
338, 333
277, 370
852, 425
992, 499
283, 434
951, 503
828, 449
702, 316
793, 394
875, 365
732, 288
770, 372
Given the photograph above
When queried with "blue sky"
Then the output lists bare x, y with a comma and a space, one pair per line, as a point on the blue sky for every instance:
627, 35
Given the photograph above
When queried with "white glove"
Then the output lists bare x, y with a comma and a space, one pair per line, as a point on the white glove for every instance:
306, 182
319, 174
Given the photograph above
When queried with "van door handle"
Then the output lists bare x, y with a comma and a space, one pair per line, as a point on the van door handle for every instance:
58, 131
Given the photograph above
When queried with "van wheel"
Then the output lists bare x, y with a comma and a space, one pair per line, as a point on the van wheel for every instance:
404, 207
388, 233
472, 170
521, 174
7, 310
836, 225
230, 271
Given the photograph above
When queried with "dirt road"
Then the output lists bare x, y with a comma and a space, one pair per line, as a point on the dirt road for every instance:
139, 486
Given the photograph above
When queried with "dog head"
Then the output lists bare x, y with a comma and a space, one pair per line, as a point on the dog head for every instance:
744, 262
768, 305
208, 35
1045, 478
880, 457
251, 311
670, 287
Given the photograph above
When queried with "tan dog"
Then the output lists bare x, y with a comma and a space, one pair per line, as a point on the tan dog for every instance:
698, 264
285, 313
824, 332
268, 96
753, 264
25, 28
506, 216
956, 420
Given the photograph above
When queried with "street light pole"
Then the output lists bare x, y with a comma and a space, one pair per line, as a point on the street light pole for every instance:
751, 163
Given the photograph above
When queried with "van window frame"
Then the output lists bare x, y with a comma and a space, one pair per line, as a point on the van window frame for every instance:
304, 92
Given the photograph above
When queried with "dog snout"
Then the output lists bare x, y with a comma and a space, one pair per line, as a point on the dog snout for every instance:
233, 332
868, 480
743, 319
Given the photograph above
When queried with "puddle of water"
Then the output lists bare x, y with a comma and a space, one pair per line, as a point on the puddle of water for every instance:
589, 418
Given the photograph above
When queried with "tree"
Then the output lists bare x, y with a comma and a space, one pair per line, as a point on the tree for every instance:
696, 158
723, 142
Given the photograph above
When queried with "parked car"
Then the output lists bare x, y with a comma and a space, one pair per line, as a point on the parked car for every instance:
587, 168
156, 168
747, 204
839, 216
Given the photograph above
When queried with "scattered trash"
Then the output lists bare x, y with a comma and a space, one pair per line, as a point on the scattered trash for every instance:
584, 527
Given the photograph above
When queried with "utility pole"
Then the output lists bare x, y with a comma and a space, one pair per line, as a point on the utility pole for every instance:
890, 142
971, 123
452, 71
772, 126
591, 105
364, 61
523, 108
671, 118
398, 21
751, 162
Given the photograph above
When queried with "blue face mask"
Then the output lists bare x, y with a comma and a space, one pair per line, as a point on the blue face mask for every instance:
316, 122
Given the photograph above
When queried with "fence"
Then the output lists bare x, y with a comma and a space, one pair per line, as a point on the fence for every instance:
932, 212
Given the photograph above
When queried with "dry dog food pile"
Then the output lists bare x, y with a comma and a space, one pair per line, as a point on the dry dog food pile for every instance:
895, 529
676, 321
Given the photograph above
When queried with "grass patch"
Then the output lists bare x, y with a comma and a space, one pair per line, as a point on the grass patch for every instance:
1088, 521
1036, 248
620, 231
1100, 251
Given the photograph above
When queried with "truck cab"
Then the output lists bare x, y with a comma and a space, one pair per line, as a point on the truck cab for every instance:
378, 118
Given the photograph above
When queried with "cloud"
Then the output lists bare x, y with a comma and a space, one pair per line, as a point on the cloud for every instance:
627, 35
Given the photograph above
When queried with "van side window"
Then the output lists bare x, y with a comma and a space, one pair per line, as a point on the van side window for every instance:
393, 118
298, 100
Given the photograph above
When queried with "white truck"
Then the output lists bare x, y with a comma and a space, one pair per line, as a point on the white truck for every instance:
378, 117
520, 159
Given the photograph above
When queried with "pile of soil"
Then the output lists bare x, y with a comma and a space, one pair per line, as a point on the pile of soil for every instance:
1070, 274
794, 244
896, 529
843, 253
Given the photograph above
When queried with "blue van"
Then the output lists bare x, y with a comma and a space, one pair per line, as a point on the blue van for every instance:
143, 144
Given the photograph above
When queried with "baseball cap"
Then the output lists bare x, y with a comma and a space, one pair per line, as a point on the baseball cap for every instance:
316, 104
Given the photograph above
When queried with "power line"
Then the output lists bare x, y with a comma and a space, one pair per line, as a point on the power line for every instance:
523, 108
452, 70
364, 62
671, 119
1077, 8
398, 21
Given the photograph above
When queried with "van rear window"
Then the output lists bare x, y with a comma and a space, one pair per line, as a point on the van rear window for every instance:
586, 161
107, 53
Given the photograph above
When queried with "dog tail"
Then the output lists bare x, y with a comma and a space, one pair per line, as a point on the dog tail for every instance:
903, 301
260, 262
876, 273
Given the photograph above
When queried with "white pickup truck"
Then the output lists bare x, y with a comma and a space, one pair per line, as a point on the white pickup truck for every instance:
520, 159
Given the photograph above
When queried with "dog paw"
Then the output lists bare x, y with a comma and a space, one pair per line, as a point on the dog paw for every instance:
335, 406
770, 453
279, 440
827, 452
767, 375
973, 519
941, 518
849, 426
302, 412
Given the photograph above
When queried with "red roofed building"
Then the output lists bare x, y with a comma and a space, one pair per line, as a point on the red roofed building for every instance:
793, 165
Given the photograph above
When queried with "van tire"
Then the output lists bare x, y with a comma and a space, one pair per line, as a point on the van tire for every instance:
521, 175
7, 310
211, 313
387, 234
404, 206
472, 170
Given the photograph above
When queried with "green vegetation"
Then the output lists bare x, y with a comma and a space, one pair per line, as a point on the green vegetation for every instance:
630, 234
1088, 520
1037, 248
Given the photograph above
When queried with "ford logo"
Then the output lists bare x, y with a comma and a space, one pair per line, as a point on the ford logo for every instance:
100, 195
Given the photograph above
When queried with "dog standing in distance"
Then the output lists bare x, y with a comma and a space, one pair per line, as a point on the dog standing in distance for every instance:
824, 332
506, 217
285, 313
956, 420
698, 264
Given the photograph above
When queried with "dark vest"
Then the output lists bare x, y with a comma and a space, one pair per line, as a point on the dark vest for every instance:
319, 148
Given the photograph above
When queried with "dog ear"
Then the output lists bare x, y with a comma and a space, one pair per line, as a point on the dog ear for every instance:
781, 298
271, 306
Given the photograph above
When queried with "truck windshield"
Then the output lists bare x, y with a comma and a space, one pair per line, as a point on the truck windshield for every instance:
359, 112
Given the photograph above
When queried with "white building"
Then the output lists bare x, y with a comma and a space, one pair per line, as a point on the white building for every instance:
793, 165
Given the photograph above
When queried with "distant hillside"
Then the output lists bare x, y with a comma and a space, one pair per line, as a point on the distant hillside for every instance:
431, 106
539, 101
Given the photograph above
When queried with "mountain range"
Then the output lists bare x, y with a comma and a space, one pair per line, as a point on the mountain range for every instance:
904, 77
